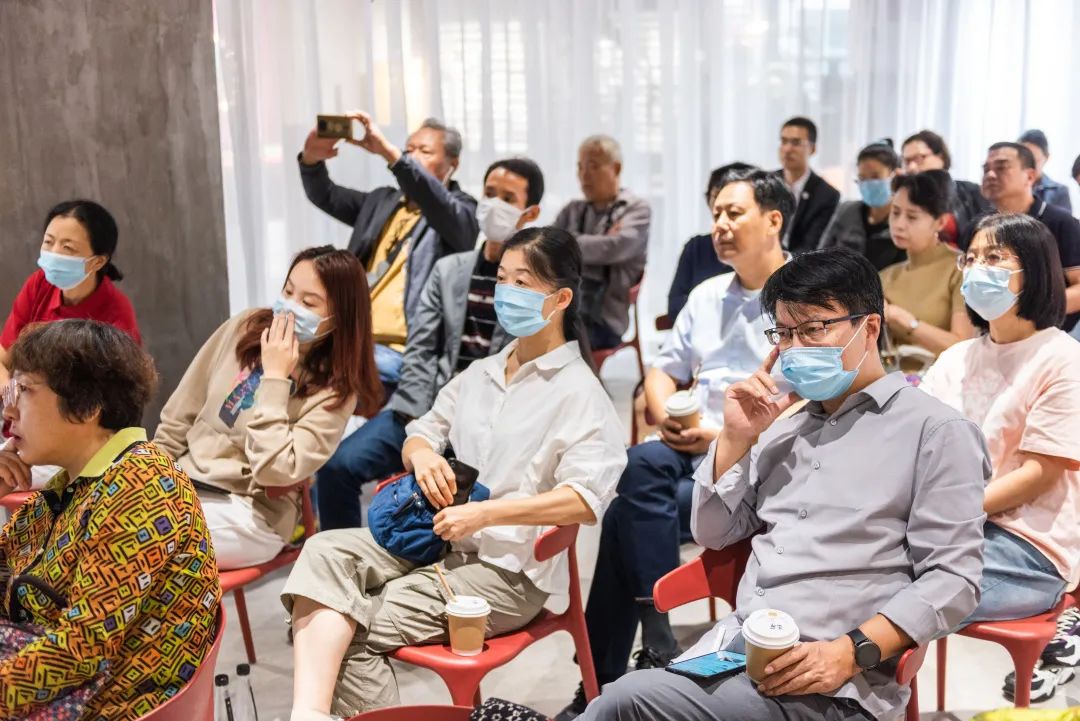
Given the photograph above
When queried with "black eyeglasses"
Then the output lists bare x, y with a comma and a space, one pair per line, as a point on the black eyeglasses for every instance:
811, 331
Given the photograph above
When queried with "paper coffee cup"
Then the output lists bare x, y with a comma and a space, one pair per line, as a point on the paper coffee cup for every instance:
683, 408
768, 633
467, 618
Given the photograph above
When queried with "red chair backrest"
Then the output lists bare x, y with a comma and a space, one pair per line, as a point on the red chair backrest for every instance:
416, 713
195, 701
712, 574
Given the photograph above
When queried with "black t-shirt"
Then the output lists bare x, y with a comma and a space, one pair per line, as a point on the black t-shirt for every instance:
479, 315
1064, 228
880, 250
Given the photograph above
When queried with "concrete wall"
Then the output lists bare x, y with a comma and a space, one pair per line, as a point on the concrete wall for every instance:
116, 100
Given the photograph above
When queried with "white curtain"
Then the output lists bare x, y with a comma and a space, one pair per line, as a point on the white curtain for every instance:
685, 85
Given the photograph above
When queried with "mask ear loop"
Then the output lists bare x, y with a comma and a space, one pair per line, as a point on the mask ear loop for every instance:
865, 353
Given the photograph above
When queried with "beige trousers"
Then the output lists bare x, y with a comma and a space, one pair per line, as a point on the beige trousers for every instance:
395, 604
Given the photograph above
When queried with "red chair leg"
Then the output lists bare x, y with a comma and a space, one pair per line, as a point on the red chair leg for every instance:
585, 662
912, 713
942, 653
712, 609
478, 699
1024, 657
245, 625
464, 686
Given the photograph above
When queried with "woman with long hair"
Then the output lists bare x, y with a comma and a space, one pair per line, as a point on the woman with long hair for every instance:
265, 402
536, 423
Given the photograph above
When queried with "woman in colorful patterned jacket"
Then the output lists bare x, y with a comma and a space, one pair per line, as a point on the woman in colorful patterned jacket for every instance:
111, 563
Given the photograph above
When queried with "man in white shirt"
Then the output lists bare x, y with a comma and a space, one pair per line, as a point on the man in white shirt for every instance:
718, 339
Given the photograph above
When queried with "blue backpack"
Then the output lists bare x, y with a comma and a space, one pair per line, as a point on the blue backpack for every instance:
402, 520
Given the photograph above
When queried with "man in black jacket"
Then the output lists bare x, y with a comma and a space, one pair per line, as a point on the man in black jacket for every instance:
815, 199
426, 217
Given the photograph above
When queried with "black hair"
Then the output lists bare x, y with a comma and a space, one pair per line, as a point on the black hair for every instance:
527, 169
882, 151
92, 367
716, 177
1037, 138
935, 142
99, 225
770, 192
836, 277
1042, 300
1027, 158
554, 257
806, 124
931, 190
1076, 167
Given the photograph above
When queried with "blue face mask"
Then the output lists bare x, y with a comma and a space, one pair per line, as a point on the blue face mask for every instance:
520, 311
817, 372
986, 291
63, 271
306, 322
876, 193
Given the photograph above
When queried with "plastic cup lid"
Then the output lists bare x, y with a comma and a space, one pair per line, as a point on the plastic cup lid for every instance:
769, 628
468, 607
681, 403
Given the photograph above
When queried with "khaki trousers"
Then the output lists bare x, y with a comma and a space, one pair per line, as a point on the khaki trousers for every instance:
396, 603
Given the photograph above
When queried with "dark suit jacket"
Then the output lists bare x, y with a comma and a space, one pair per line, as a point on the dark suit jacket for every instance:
815, 209
448, 223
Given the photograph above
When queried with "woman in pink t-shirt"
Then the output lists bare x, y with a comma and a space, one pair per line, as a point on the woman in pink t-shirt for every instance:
1020, 381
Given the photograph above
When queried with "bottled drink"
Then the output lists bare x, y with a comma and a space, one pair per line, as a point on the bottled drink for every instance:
222, 701
243, 697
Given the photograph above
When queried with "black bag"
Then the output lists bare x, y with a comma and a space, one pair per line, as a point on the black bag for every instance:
495, 709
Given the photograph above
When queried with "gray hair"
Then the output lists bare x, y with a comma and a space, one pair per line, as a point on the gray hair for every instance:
451, 137
606, 144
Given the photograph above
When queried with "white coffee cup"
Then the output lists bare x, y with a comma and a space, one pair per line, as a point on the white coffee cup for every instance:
683, 408
467, 619
768, 634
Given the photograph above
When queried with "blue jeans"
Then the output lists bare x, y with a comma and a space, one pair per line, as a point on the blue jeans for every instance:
601, 337
1018, 580
370, 454
389, 362
639, 543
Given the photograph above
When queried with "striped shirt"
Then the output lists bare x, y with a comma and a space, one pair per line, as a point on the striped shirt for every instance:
479, 315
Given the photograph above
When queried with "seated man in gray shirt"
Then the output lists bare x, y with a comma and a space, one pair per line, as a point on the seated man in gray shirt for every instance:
612, 227
867, 509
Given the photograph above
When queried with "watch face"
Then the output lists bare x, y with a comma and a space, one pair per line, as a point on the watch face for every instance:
867, 654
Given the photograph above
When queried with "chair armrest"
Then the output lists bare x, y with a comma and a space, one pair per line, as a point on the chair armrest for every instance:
713, 574
910, 663
686, 584
387, 481
664, 322
554, 541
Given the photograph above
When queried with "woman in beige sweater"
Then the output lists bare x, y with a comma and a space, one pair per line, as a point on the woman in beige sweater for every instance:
265, 401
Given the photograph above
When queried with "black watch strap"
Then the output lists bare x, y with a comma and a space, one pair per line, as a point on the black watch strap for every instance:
867, 653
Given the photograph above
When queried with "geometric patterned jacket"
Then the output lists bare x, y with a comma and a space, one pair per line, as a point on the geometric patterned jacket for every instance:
126, 548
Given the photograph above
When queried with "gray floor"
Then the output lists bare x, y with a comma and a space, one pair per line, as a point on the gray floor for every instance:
544, 676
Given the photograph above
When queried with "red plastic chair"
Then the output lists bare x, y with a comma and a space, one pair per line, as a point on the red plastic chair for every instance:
463, 674
235, 579
13, 501
415, 713
1023, 638
195, 701
599, 356
717, 573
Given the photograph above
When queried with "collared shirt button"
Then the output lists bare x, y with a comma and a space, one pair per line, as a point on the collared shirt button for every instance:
817, 465
780, 549
802, 513
832, 422
759, 591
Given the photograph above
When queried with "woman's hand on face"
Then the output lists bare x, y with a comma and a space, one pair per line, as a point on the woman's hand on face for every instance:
434, 476
14, 474
280, 349
457, 522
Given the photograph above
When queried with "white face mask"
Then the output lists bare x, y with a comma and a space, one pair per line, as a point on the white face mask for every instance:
498, 219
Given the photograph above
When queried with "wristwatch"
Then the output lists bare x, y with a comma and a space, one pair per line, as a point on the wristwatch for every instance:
867, 653
913, 324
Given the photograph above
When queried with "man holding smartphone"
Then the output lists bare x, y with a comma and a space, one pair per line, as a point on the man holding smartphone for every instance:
398, 232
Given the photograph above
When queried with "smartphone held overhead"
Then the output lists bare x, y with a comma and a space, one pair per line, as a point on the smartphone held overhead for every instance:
338, 126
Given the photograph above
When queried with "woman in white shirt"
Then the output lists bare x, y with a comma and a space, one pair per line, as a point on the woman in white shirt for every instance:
540, 428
